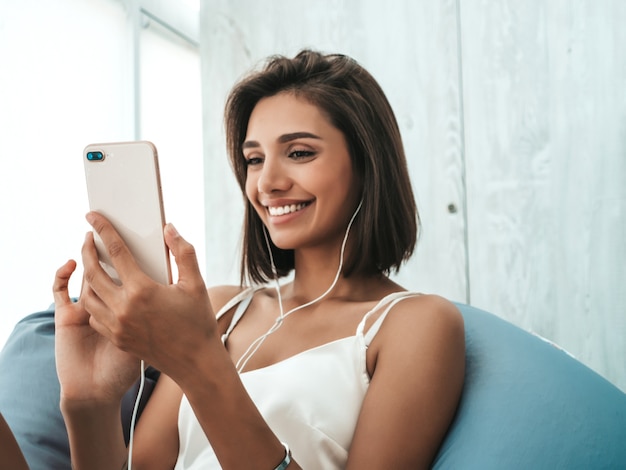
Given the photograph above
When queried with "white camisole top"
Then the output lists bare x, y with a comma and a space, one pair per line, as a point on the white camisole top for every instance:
310, 400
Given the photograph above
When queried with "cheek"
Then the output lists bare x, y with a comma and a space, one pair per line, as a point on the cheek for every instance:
347, 181
251, 195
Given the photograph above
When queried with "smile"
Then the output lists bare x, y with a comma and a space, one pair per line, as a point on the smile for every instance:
288, 209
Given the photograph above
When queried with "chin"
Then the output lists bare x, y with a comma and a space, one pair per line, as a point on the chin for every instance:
283, 244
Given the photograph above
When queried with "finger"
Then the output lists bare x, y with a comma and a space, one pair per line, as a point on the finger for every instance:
99, 314
117, 250
60, 287
102, 319
184, 254
90, 301
94, 276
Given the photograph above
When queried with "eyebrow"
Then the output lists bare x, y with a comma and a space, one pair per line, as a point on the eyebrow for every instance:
283, 139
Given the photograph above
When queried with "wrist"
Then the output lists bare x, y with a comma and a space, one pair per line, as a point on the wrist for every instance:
82, 408
95, 434
202, 367
286, 460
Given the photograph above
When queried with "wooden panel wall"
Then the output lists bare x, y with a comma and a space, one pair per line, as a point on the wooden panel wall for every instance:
545, 117
518, 105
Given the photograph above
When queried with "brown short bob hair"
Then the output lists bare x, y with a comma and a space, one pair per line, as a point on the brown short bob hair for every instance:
385, 231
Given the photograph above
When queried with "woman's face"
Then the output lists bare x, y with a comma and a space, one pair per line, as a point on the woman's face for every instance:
299, 173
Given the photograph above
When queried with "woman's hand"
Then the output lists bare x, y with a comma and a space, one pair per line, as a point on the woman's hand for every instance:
164, 325
90, 368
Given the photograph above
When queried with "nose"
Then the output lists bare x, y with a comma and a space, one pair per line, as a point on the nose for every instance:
273, 176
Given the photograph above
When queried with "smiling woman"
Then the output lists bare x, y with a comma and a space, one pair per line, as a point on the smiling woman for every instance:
342, 107
337, 366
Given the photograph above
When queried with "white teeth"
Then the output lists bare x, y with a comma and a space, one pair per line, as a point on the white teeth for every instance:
282, 210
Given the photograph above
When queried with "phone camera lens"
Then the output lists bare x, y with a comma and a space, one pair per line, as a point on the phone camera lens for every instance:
95, 156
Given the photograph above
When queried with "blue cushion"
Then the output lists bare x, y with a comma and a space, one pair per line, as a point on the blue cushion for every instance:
528, 404
29, 394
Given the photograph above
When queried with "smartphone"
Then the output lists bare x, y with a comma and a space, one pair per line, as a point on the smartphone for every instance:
124, 185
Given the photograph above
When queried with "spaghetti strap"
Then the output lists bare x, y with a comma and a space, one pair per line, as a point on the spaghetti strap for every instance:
235, 300
243, 299
390, 301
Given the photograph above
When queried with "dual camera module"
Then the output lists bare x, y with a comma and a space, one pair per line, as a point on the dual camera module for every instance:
95, 156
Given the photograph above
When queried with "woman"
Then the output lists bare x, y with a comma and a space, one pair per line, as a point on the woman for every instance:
338, 367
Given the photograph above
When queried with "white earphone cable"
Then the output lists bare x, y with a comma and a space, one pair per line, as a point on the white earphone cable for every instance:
256, 344
133, 421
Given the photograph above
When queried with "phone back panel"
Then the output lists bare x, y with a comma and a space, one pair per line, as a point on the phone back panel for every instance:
125, 187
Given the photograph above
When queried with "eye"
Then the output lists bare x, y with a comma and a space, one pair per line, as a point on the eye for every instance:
253, 160
300, 154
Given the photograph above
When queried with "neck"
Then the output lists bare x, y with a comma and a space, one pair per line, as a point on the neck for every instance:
315, 273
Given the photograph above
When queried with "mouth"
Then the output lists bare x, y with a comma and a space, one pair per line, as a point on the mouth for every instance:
275, 211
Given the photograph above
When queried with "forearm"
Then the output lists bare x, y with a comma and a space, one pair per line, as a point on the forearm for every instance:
231, 421
12, 456
95, 436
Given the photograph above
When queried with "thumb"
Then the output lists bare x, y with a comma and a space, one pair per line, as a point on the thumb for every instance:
60, 288
184, 254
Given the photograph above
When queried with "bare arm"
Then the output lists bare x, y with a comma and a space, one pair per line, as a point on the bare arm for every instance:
12, 457
95, 437
156, 435
415, 388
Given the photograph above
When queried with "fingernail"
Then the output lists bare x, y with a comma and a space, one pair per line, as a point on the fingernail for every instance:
89, 217
171, 228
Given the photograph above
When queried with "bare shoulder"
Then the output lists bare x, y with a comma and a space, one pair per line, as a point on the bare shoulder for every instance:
421, 339
424, 315
429, 304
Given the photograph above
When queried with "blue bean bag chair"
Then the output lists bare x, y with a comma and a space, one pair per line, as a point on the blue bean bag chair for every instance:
30, 391
526, 403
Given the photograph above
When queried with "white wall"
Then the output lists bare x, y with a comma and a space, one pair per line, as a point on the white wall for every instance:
513, 115
171, 117
66, 80
545, 115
